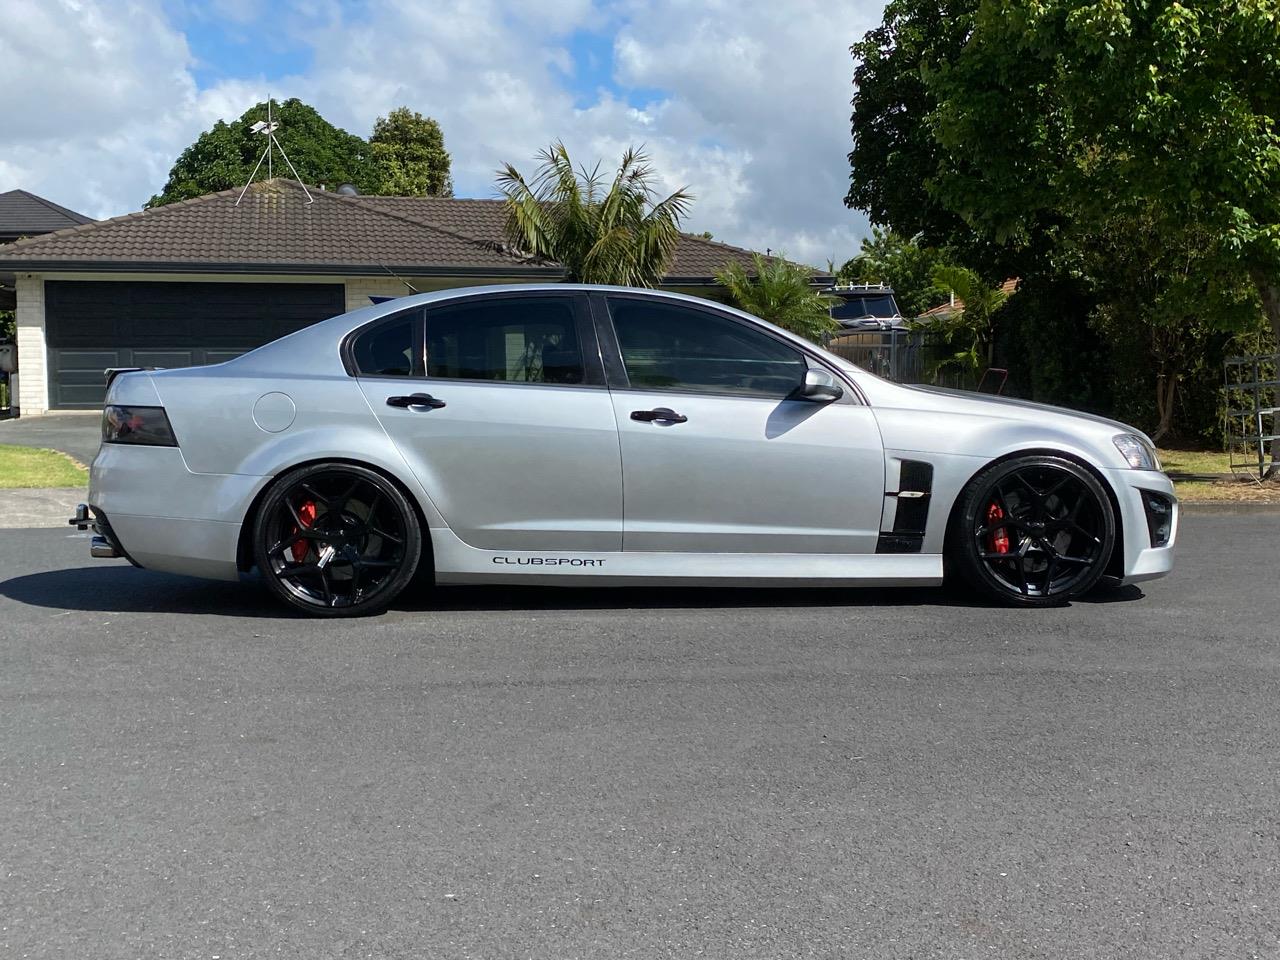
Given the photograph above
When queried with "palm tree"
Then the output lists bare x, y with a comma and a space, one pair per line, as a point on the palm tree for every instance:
782, 293
970, 328
600, 231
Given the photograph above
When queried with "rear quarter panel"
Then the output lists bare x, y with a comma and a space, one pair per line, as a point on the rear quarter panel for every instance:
212, 413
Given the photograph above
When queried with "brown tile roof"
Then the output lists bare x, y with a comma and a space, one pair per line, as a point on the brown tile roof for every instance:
23, 214
695, 258
1008, 288
274, 226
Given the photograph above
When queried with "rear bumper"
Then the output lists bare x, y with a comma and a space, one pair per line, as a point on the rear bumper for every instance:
152, 510
105, 544
1144, 560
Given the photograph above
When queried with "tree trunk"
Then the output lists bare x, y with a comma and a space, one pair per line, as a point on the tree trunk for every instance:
1166, 387
1270, 292
1271, 307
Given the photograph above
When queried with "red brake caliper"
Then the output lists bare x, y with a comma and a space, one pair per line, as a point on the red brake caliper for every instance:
999, 538
307, 513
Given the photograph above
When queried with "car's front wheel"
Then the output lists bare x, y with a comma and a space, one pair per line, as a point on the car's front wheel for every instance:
1033, 531
336, 540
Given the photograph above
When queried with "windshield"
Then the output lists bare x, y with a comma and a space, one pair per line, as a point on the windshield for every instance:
873, 305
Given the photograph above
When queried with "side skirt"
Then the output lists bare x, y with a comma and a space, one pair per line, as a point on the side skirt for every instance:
456, 562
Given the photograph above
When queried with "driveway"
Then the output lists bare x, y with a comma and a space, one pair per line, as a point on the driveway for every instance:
187, 772
77, 434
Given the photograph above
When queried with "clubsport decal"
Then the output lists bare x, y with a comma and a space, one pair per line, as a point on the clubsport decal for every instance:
549, 561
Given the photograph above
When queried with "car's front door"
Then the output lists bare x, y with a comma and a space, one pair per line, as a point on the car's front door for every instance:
510, 431
717, 455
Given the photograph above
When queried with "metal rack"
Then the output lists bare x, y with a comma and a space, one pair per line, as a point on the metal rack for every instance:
1251, 390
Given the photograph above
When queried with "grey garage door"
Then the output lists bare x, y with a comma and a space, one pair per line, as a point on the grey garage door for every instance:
92, 325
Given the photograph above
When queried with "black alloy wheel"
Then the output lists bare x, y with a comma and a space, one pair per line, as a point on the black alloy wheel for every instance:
1033, 531
336, 540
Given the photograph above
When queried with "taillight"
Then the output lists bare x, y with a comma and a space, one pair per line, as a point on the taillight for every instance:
148, 426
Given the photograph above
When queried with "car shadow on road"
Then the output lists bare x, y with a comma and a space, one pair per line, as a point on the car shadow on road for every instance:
679, 598
121, 589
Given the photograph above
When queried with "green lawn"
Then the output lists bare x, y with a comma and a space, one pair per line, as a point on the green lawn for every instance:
29, 467
1195, 461
1238, 490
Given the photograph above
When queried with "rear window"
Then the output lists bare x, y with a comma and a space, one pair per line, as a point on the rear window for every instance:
385, 350
518, 340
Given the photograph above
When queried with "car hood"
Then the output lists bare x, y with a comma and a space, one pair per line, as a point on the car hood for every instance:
1009, 407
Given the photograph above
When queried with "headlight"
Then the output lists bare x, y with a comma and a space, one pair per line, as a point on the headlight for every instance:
1140, 454
142, 425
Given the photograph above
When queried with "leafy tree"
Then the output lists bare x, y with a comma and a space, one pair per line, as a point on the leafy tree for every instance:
892, 259
894, 152
781, 292
224, 156
600, 230
408, 156
1159, 113
7, 327
1098, 149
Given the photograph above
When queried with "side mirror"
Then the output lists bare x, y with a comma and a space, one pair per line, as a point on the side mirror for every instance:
820, 387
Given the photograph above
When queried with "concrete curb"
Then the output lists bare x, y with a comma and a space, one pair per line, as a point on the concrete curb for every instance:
1217, 507
41, 507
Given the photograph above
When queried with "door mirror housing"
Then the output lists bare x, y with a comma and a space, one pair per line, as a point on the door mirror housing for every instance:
819, 386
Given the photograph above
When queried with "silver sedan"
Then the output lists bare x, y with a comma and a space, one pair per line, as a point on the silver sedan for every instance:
563, 434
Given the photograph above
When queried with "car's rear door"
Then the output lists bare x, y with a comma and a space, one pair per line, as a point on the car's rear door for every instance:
505, 419
738, 466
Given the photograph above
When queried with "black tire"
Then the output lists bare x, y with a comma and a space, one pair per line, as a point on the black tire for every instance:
1034, 531
336, 540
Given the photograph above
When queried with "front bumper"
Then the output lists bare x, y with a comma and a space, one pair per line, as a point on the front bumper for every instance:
1143, 559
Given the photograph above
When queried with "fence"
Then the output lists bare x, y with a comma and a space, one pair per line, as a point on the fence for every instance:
903, 356
1251, 390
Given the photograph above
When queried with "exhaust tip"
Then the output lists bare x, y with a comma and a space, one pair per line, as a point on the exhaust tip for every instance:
101, 549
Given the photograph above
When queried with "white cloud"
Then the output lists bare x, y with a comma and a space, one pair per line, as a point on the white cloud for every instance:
98, 99
752, 113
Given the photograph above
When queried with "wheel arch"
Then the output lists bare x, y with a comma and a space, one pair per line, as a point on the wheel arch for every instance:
1115, 563
244, 545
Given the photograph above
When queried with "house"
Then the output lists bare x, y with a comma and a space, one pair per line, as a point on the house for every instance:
955, 306
23, 214
207, 279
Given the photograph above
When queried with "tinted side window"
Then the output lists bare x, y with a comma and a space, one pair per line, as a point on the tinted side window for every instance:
671, 347
385, 350
532, 340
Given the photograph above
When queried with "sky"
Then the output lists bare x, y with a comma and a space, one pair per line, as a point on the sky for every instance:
745, 103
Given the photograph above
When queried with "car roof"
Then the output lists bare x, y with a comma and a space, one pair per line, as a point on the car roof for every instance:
316, 349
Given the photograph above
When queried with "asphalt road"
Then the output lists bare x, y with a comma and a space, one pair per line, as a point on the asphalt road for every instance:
184, 772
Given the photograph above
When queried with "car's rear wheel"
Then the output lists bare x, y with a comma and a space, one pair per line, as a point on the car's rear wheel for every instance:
1033, 531
336, 540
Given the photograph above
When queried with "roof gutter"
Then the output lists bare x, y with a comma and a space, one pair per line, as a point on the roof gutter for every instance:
531, 273
293, 268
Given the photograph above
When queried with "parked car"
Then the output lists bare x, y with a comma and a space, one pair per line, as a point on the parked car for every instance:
563, 434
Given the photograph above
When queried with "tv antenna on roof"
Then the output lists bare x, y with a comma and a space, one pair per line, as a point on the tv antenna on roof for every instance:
268, 128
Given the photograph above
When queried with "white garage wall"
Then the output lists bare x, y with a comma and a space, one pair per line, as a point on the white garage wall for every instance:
33, 373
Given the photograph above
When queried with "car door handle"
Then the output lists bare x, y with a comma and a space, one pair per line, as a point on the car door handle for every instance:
661, 414
416, 400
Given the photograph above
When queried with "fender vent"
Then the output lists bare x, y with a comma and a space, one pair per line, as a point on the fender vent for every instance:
915, 488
